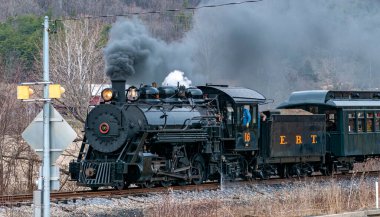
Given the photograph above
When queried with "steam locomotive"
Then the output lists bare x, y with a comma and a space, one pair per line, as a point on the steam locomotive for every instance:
175, 135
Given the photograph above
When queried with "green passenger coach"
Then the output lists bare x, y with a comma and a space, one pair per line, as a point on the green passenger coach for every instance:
352, 123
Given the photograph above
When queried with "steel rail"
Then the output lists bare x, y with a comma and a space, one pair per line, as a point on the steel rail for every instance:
26, 199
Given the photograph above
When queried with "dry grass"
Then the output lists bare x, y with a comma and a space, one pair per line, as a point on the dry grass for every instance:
372, 164
299, 199
172, 208
313, 199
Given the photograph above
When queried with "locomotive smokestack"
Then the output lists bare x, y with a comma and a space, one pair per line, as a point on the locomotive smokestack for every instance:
119, 86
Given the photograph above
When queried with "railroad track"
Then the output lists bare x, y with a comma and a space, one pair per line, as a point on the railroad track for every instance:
26, 199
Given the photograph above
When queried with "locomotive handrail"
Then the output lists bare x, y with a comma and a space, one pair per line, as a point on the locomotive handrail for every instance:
174, 130
156, 105
194, 118
174, 106
267, 101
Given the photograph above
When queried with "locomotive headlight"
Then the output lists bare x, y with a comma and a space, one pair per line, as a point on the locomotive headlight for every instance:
107, 94
132, 93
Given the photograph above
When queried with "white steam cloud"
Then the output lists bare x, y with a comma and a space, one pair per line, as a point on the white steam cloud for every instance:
176, 77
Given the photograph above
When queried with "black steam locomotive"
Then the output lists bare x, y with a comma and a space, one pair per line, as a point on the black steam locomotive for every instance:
175, 135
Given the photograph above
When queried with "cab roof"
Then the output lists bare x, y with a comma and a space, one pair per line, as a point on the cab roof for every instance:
333, 98
237, 94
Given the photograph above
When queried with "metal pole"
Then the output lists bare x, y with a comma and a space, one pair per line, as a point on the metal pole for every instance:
221, 173
37, 195
377, 194
37, 203
46, 123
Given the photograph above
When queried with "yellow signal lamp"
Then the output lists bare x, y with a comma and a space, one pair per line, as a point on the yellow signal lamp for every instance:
55, 91
24, 92
108, 94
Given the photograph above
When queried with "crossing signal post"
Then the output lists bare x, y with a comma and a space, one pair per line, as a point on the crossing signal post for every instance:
56, 133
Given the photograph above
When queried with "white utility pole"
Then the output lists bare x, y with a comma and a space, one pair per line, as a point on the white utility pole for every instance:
46, 123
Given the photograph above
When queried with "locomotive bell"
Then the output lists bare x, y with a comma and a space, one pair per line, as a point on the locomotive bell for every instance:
132, 93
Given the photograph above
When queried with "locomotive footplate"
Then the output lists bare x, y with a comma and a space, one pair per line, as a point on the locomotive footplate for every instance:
96, 174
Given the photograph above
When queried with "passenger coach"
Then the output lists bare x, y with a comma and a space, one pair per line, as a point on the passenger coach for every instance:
352, 123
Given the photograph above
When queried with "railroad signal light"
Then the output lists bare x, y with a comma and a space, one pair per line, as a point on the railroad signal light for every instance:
24, 92
55, 91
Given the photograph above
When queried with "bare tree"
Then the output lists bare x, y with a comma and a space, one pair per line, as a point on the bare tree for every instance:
17, 160
18, 7
76, 60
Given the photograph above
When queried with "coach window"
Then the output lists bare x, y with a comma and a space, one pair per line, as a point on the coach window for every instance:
351, 122
369, 121
331, 120
377, 121
361, 122
313, 109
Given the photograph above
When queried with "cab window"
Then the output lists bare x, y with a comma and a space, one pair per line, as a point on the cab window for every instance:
248, 114
230, 112
254, 115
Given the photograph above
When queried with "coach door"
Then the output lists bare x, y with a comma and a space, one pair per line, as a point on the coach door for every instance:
246, 126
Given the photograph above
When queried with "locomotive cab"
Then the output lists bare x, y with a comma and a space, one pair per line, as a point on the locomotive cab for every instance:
241, 126
238, 113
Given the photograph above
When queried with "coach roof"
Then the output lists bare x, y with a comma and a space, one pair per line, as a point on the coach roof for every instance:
333, 98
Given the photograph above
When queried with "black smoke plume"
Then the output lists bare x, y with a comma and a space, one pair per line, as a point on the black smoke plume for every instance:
133, 54
275, 47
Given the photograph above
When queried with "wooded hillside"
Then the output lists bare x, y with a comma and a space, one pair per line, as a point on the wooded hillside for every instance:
21, 35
